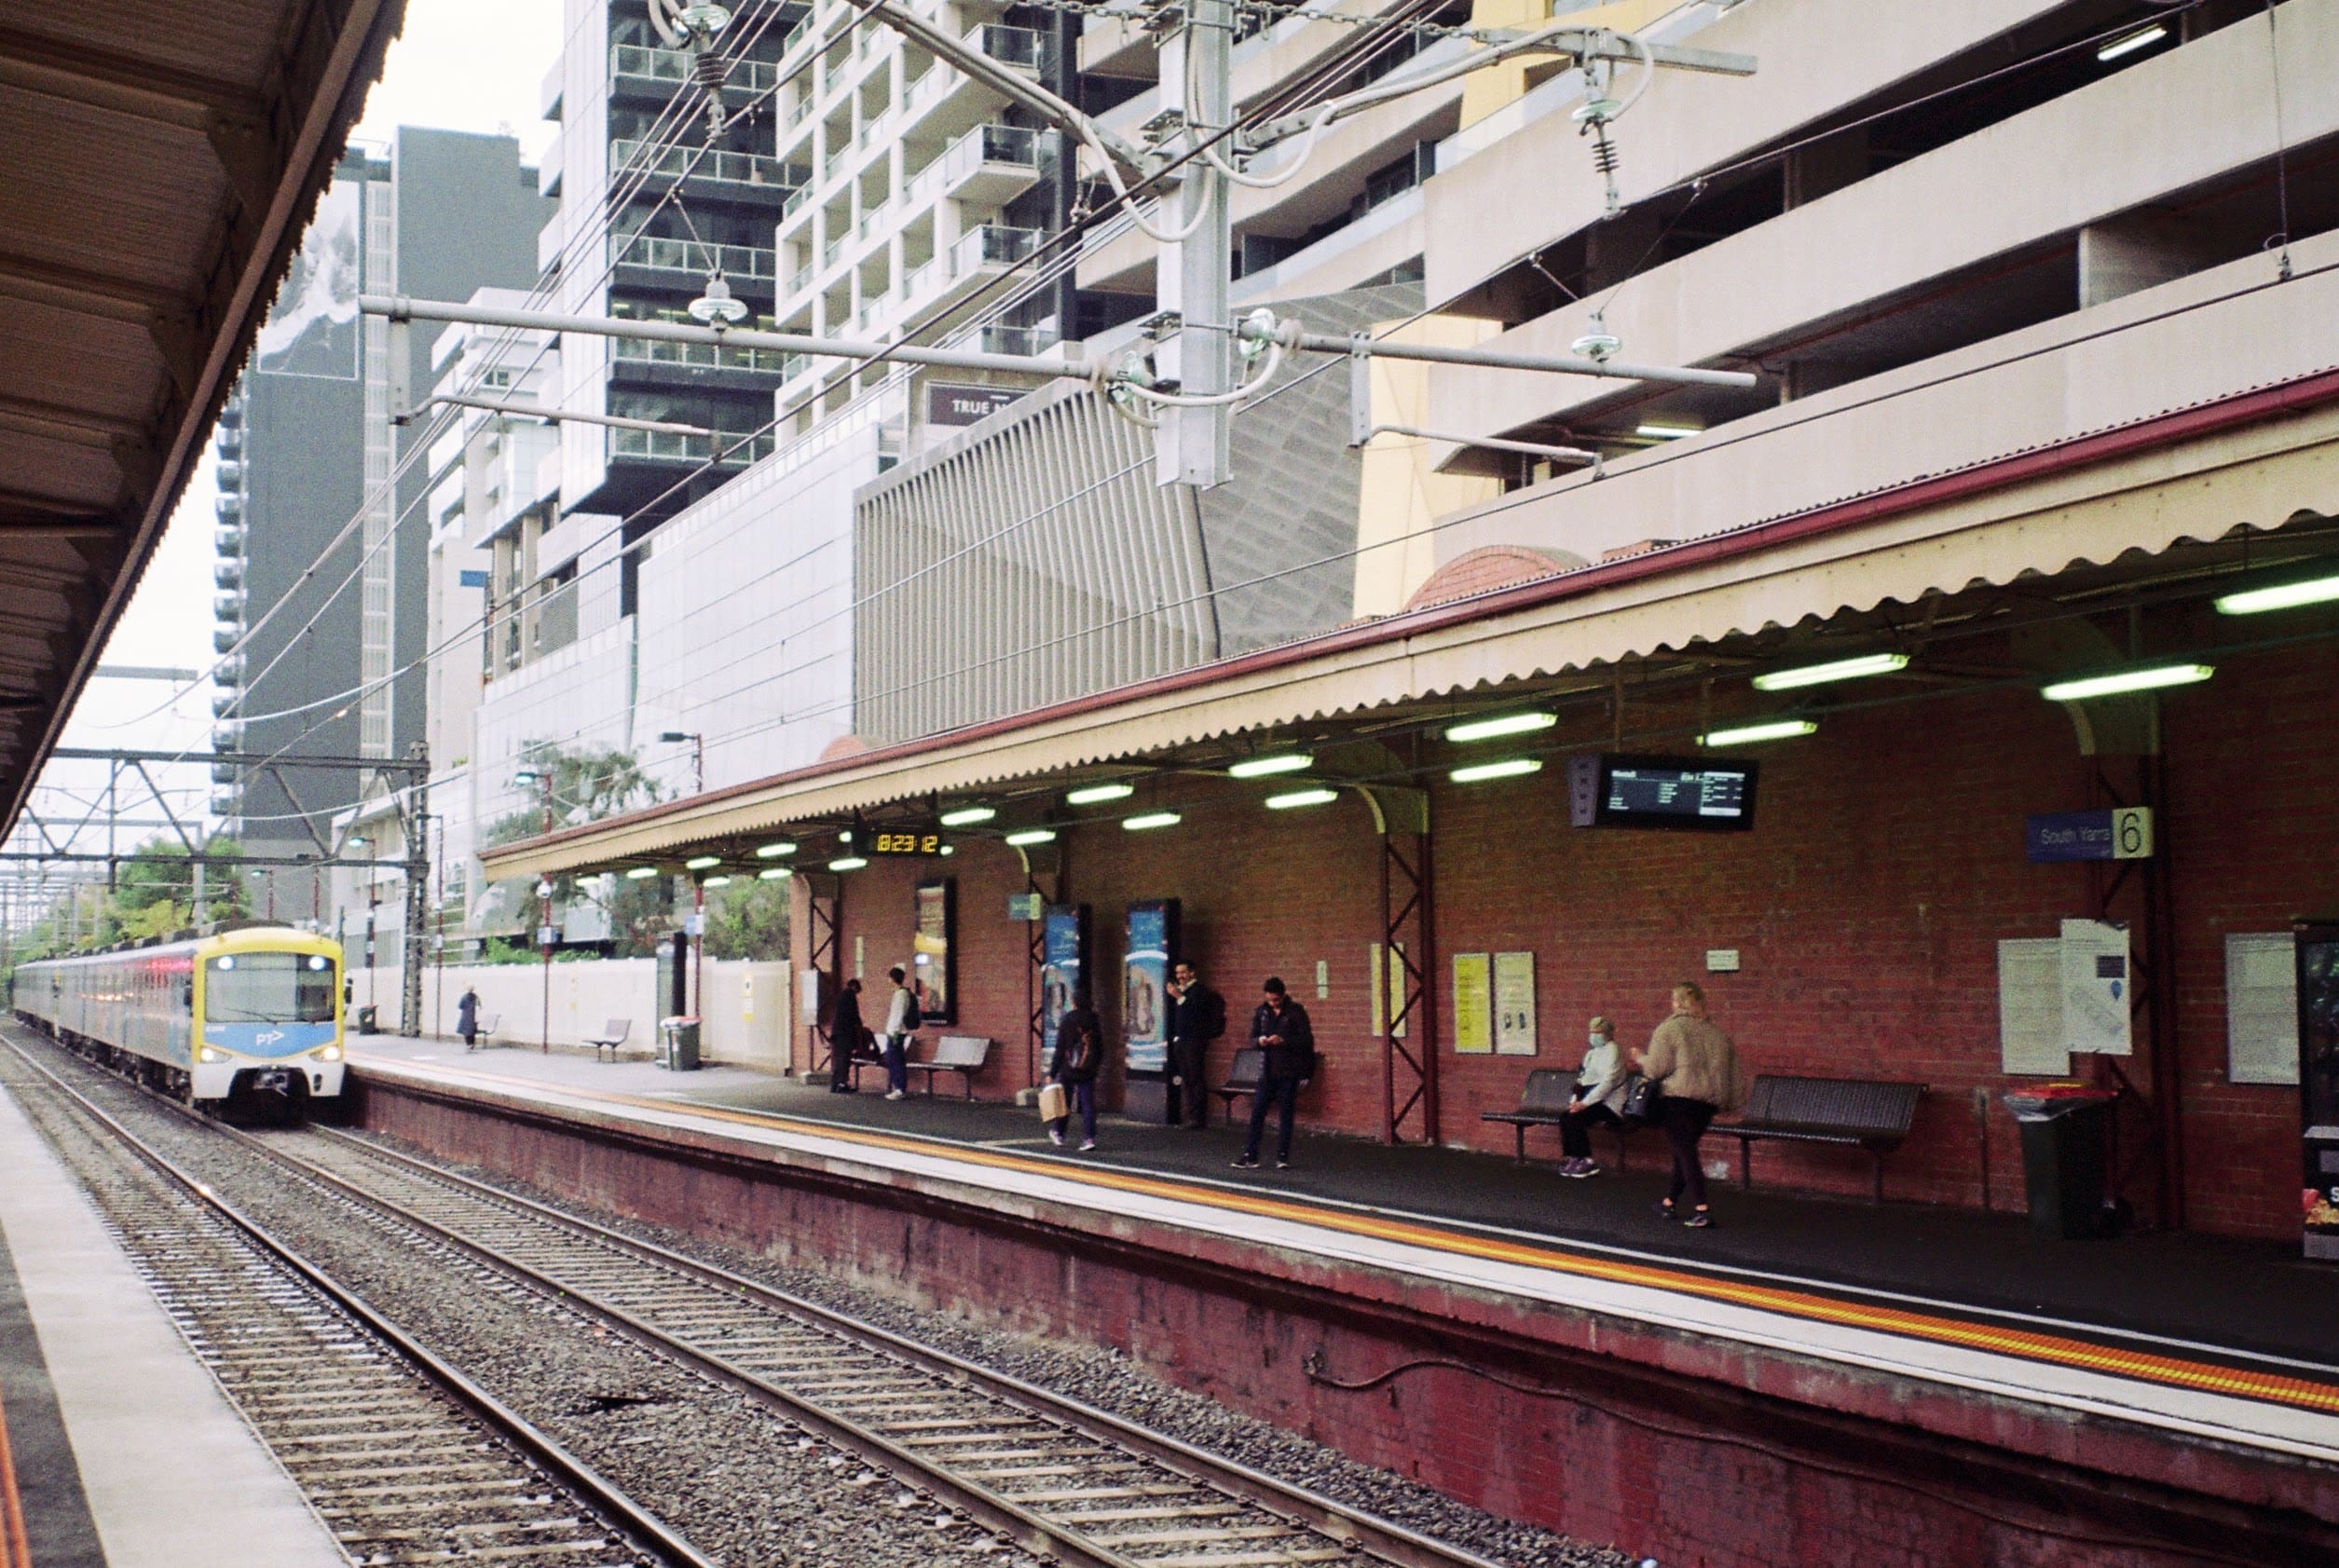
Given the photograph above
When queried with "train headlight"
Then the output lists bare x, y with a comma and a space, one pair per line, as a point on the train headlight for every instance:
209, 1054
329, 1053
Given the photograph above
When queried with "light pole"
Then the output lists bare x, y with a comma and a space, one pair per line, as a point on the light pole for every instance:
698, 890
698, 755
524, 778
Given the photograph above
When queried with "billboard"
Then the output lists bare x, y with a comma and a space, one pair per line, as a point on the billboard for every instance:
312, 327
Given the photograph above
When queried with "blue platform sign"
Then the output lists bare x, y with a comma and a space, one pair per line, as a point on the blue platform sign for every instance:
2120, 833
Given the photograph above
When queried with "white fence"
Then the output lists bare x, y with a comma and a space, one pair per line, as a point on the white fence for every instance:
744, 1004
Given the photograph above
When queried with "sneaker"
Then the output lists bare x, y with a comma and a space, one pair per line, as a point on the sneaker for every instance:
1665, 1208
896, 1094
1246, 1161
1698, 1220
1282, 1165
1087, 1145
1587, 1166
1055, 1138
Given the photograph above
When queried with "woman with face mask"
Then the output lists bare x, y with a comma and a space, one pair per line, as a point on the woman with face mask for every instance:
1599, 1086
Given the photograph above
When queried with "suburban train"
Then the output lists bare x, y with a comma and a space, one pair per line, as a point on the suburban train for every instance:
245, 1018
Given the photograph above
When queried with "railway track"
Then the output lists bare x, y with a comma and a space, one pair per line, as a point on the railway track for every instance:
404, 1460
1058, 1477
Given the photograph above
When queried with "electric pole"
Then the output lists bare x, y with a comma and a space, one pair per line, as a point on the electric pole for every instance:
1195, 352
417, 829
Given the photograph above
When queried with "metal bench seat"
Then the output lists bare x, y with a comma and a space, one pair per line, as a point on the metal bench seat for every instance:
1542, 1102
962, 1054
1242, 1078
1870, 1113
612, 1035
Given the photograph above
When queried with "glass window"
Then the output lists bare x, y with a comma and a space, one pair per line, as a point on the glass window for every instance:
268, 988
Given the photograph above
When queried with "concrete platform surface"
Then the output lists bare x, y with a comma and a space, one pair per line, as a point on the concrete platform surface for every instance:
127, 1453
2222, 1337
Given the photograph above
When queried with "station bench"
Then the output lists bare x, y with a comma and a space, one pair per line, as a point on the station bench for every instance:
1243, 1079
1870, 1113
486, 1033
962, 1054
1542, 1101
612, 1035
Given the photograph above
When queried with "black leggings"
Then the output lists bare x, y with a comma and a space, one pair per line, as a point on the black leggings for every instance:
1684, 1122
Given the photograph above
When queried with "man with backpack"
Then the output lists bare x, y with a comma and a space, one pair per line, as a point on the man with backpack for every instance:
1286, 1059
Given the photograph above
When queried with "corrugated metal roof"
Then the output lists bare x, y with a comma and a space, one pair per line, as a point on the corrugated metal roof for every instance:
163, 157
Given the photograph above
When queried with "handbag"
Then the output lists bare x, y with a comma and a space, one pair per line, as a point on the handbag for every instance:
1641, 1093
1055, 1105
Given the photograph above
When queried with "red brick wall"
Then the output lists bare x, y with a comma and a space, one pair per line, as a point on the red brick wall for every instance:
1865, 905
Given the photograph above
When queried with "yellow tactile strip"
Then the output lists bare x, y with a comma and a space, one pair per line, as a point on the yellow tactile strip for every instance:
2030, 1344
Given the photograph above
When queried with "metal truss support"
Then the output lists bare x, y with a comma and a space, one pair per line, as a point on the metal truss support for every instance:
1409, 1042
2151, 1161
1042, 877
415, 813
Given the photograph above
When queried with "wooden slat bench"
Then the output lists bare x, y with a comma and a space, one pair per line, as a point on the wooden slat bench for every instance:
962, 1054
1243, 1079
1870, 1113
612, 1035
1542, 1101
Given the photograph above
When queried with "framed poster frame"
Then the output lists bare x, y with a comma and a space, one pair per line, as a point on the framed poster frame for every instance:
1149, 951
934, 950
1065, 949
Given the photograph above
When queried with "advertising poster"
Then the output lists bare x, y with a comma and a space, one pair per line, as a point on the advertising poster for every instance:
930, 951
1514, 1004
1063, 953
312, 326
1153, 938
1473, 1006
2096, 989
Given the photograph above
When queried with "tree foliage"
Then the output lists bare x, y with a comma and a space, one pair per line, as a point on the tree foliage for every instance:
747, 921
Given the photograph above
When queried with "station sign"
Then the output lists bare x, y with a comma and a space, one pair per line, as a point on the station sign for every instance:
2118, 833
1026, 906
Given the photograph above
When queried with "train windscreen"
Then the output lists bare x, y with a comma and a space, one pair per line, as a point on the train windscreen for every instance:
268, 988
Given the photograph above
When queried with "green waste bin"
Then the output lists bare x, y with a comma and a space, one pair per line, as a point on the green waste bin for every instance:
2066, 1136
678, 1044
367, 1020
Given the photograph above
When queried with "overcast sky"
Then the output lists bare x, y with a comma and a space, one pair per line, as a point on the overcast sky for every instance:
459, 65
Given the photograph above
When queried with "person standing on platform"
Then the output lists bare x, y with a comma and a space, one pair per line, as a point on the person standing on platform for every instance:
1599, 1086
1079, 1055
1198, 1015
845, 1030
901, 1022
467, 1018
1287, 1046
1695, 1069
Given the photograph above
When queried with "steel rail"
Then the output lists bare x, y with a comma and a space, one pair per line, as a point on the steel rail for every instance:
1382, 1537
649, 1534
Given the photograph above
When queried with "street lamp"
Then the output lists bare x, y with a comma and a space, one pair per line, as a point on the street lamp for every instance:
698, 753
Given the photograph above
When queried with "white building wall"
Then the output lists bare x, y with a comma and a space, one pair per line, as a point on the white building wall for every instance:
744, 1005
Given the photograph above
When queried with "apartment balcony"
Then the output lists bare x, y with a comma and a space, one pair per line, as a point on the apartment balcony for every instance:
650, 260
227, 607
991, 165
227, 802
731, 449
229, 442
229, 508
223, 638
228, 737
979, 256
231, 476
231, 414
222, 702
229, 670
999, 338
715, 175
228, 573
680, 363
948, 101
224, 772
638, 73
227, 538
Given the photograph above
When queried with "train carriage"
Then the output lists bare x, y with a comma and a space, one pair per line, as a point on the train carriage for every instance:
246, 1016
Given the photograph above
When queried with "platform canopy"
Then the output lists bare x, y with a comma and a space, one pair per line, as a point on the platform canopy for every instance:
2145, 515
162, 157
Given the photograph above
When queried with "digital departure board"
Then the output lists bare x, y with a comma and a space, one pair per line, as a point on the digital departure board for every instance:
921, 840
1695, 794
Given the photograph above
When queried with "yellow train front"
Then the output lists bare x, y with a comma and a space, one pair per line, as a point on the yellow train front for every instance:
247, 1016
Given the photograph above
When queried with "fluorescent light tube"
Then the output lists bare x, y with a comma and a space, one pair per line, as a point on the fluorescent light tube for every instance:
1665, 432
1096, 795
1302, 797
2278, 597
1841, 669
641, 873
1153, 819
2149, 679
1478, 773
703, 862
1747, 734
2141, 39
1032, 836
1508, 724
774, 851
967, 816
1261, 767
848, 863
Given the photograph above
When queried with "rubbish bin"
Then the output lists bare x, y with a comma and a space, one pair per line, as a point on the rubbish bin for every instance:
367, 1018
678, 1044
2065, 1136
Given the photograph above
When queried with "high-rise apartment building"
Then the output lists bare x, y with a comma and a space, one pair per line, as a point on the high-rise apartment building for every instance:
309, 446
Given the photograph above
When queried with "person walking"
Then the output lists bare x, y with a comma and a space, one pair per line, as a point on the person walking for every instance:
1079, 1055
1198, 1015
1599, 1086
845, 1030
901, 1022
1695, 1069
467, 1018
1287, 1046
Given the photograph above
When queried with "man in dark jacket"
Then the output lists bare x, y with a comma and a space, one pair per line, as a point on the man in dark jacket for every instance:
1287, 1046
845, 1030
1079, 1055
1198, 1015
467, 1018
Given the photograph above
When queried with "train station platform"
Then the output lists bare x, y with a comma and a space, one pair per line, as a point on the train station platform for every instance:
2196, 1362
124, 1452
